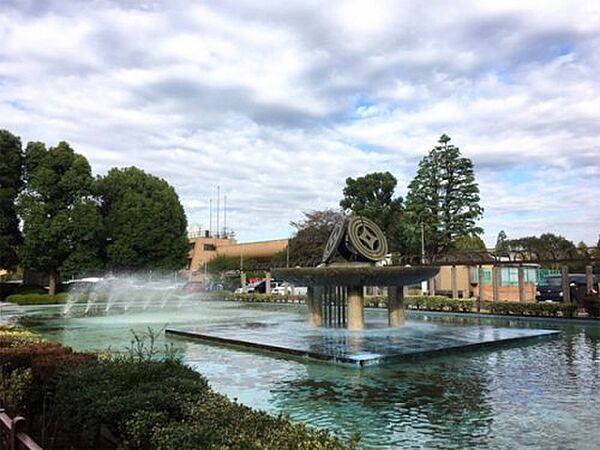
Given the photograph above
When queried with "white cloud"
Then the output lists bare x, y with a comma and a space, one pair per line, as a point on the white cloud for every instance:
280, 102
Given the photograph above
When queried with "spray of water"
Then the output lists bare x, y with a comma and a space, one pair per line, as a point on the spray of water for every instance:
125, 293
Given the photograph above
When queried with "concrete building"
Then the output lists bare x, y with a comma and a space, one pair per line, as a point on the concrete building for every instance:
206, 248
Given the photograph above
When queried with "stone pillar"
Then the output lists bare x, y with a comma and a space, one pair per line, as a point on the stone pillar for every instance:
453, 282
243, 279
566, 285
356, 311
313, 301
521, 278
268, 283
396, 306
589, 279
496, 283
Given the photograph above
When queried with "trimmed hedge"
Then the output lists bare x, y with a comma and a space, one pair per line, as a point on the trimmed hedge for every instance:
533, 309
257, 298
38, 299
7, 289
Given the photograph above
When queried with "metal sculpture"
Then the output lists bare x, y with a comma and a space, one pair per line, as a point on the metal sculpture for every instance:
356, 239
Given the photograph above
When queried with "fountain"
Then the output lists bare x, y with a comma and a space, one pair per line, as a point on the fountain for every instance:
335, 291
336, 330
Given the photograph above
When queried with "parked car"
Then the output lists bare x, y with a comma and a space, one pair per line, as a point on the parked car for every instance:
551, 288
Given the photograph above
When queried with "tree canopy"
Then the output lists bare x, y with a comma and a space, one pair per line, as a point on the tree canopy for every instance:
11, 183
372, 196
444, 197
145, 222
307, 245
62, 228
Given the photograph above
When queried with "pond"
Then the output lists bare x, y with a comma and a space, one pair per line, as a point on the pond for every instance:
541, 394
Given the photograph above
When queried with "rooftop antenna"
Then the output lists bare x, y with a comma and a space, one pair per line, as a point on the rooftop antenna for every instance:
225, 216
218, 204
210, 215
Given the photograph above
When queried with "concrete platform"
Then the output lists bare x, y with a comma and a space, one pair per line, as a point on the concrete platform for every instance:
372, 346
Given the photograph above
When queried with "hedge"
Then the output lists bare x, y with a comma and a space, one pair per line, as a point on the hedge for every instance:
533, 309
38, 299
74, 400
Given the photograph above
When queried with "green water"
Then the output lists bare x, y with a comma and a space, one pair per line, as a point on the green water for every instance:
544, 394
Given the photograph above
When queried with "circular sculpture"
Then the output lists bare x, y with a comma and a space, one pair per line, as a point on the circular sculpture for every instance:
335, 238
366, 238
357, 239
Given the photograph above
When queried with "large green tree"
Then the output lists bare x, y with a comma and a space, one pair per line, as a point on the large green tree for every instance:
145, 222
546, 247
11, 183
444, 198
372, 196
62, 225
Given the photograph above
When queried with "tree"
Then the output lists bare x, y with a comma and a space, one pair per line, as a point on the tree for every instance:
11, 183
501, 247
145, 222
307, 245
372, 196
444, 197
470, 243
62, 225
547, 247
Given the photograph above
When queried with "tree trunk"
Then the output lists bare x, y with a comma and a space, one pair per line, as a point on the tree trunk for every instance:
52, 282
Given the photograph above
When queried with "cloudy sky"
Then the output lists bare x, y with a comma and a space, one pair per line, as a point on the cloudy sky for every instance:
278, 102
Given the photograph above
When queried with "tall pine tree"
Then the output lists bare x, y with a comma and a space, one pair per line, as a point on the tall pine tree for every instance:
444, 198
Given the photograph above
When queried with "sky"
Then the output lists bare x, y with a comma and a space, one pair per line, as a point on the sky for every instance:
279, 102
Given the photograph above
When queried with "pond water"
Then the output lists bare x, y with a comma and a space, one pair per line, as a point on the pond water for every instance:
542, 394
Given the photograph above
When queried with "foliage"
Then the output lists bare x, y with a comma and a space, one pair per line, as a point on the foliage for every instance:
546, 247
372, 196
144, 348
11, 183
14, 387
257, 297
225, 263
533, 309
38, 299
145, 222
62, 228
501, 247
306, 247
7, 289
444, 197
470, 242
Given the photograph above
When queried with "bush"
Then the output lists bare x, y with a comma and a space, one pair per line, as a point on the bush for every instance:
257, 298
38, 299
7, 289
144, 403
533, 309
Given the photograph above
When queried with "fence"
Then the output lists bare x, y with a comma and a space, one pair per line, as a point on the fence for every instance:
12, 434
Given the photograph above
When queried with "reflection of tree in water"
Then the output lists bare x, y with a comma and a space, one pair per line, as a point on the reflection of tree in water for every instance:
440, 402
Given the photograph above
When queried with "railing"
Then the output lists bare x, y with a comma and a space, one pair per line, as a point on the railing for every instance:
12, 434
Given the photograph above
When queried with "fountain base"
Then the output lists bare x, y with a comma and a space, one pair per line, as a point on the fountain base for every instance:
372, 346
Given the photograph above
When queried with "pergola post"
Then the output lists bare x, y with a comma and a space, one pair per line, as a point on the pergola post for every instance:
566, 285
496, 283
589, 279
521, 277
453, 282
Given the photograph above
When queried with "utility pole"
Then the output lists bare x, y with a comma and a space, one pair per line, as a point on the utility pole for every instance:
225, 216
422, 244
210, 220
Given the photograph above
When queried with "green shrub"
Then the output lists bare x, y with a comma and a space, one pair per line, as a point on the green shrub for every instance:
7, 289
38, 299
256, 297
533, 309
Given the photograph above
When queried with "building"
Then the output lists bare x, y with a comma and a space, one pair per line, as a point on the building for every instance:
204, 249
